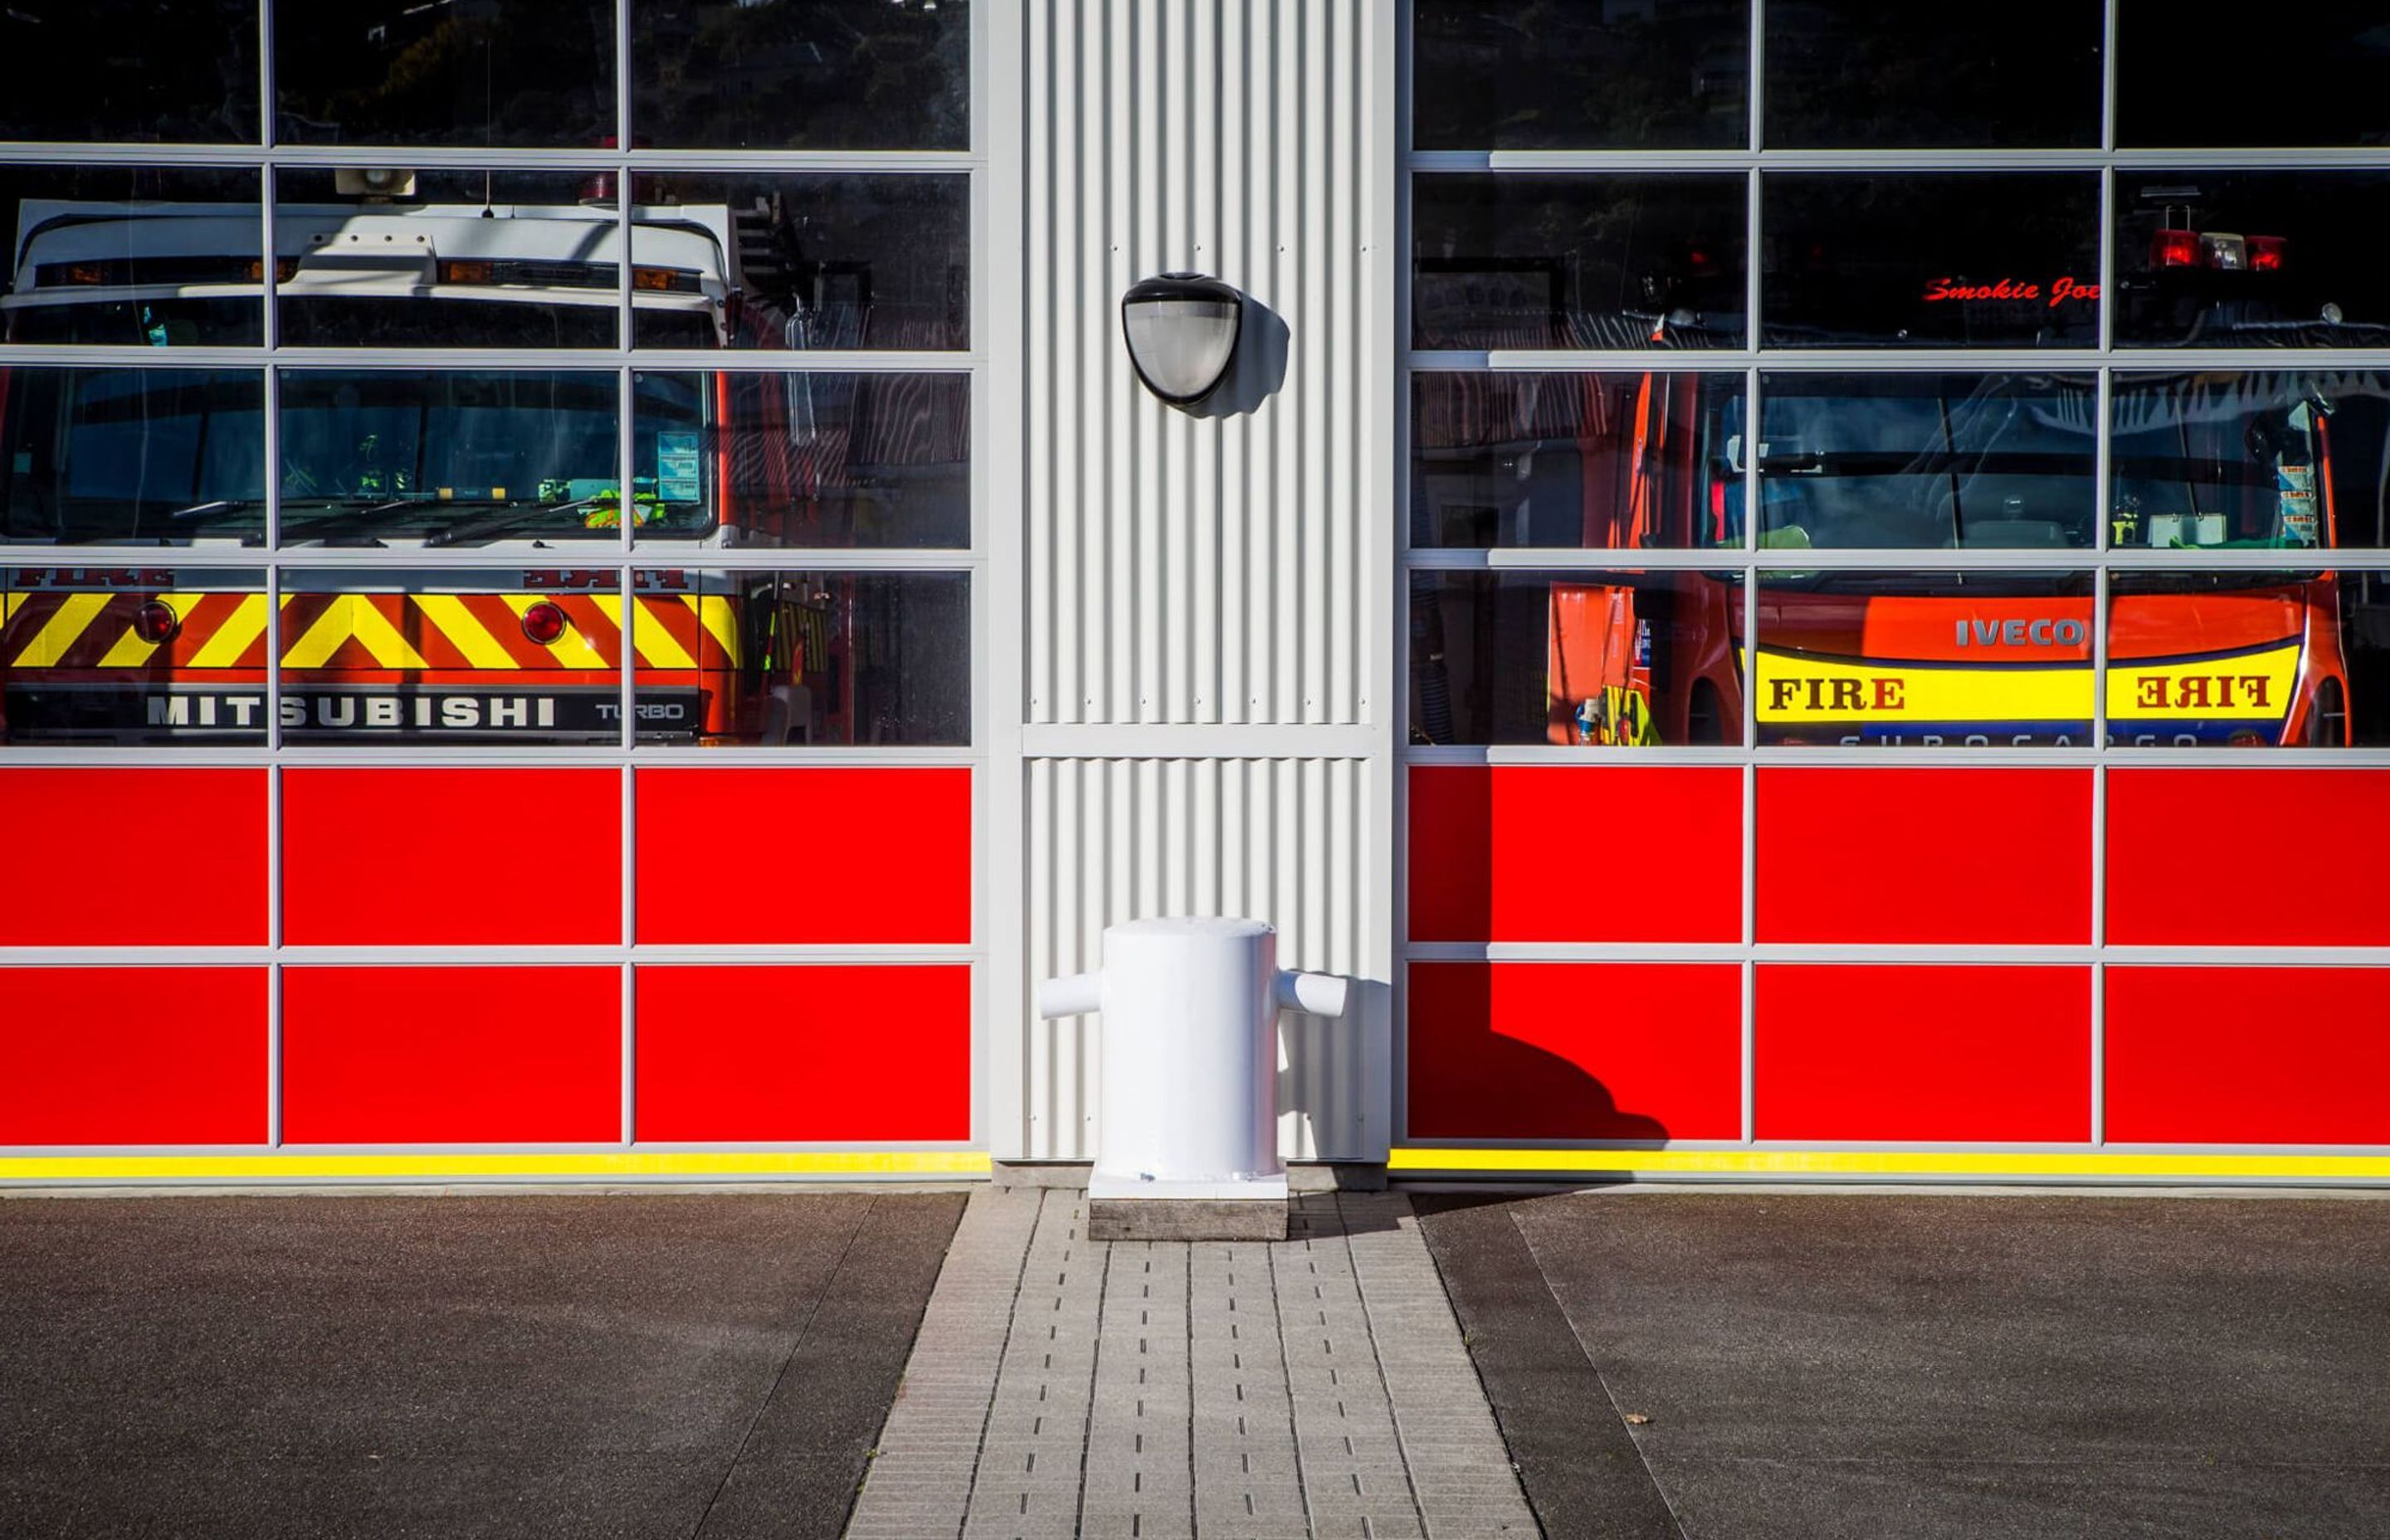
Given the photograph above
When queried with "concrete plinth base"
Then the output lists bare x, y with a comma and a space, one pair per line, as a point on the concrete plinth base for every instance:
1186, 1219
1127, 1209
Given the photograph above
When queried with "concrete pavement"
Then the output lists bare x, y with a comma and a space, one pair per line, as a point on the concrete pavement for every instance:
1767, 1366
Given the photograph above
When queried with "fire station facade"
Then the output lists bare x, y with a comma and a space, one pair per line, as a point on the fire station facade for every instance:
1788, 590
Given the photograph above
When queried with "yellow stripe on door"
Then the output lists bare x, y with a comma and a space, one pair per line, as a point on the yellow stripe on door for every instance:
464, 631
64, 628
657, 646
233, 638
353, 615
715, 613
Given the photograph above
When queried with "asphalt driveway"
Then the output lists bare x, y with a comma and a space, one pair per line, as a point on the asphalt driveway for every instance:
1733, 1367
633, 1366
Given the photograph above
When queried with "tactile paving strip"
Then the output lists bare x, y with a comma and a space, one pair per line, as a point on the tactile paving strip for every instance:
1314, 1388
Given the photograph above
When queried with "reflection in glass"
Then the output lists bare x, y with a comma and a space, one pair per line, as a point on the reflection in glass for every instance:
382, 458
2333, 75
2292, 461
1566, 261
1929, 659
2252, 258
805, 458
2241, 657
401, 258
1979, 258
130, 70
535, 72
132, 656
1911, 460
132, 457
1875, 74
828, 74
1610, 461
401, 656
815, 260
1595, 659
784, 658
1529, 74
134, 257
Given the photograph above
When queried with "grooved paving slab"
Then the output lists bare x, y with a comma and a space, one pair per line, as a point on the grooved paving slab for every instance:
1309, 1388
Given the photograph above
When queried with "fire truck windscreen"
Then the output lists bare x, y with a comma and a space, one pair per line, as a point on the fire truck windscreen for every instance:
444, 459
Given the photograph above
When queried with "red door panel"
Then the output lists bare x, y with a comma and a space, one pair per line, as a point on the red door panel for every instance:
1568, 854
741, 855
1575, 1051
134, 857
1861, 855
1910, 1053
133, 1056
2255, 857
862, 1054
451, 857
2249, 1054
452, 1055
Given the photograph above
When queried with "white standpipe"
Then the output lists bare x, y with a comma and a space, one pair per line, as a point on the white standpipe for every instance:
1190, 1013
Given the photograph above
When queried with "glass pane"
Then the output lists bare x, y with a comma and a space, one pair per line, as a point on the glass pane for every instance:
131, 70
2321, 82
1619, 659
1611, 461
1529, 74
419, 656
2271, 461
1566, 261
1928, 660
1980, 258
132, 457
133, 655
2277, 258
828, 74
526, 72
439, 259
1909, 460
776, 658
391, 457
132, 256
2246, 657
803, 459
809, 260
1875, 74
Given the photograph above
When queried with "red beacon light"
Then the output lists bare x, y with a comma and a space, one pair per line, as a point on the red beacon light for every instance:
2174, 249
544, 623
156, 622
2266, 254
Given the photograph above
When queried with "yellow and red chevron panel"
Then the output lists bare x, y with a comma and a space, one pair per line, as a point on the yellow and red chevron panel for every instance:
154, 654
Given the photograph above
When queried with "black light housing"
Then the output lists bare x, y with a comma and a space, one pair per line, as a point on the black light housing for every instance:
1182, 330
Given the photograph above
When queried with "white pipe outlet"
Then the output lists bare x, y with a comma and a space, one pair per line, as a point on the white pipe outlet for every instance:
1190, 1079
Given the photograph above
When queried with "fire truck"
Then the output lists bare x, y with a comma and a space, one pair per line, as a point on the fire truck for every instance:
401, 460
2200, 461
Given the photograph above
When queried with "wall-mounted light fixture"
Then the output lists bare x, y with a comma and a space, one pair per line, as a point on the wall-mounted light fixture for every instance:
1182, 332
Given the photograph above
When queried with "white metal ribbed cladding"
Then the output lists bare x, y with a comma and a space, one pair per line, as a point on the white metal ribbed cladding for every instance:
1202, 659
1180, 569
1117, 839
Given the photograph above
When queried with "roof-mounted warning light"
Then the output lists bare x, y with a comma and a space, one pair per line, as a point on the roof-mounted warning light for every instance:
373, 182
2218, 250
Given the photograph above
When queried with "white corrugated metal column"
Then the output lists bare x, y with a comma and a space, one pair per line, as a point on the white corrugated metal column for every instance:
1204, 644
